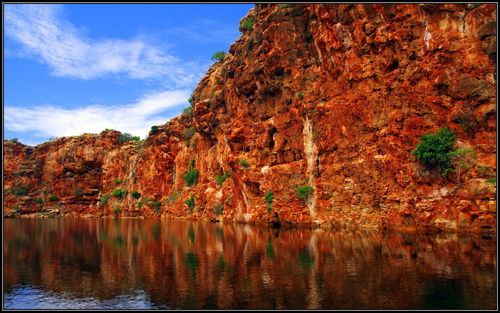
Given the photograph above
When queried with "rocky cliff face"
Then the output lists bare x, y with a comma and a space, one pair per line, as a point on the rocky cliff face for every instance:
334, 97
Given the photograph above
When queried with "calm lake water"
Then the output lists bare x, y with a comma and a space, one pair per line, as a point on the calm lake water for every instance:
65, 263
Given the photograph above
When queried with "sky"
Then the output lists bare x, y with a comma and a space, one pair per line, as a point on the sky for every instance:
71, 69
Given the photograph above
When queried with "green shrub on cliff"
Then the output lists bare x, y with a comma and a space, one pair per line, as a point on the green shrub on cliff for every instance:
122, 138
190, 203
218, 56
220, 179
188, 111
136, 194
269, 199
435, 152
53, 198
191, 99
119, 193
104, 199
247, 23
244, 163
304, 191
156, 206
39, 200
19, 192
154, 129
191, 177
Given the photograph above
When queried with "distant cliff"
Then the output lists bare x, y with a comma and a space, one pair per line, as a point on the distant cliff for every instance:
330, 96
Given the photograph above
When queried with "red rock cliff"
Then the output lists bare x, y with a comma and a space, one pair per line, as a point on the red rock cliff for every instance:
335, 97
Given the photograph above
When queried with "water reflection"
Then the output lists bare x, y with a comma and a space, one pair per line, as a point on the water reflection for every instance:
141, 264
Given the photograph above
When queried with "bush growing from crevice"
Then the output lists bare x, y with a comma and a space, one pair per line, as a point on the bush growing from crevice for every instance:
190, 203
435, 152
269, 199
156, 206
244, 163
188, 111
247, 23
117, 210
220, 179
119, 193
191, 177
136, 194
104, 199
124, 137
218, 56
19, 192
53, 198
39, 200
118, 181
304, 191
191, 99
154, 129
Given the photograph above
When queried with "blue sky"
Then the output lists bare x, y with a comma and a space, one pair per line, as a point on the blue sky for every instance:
71, 69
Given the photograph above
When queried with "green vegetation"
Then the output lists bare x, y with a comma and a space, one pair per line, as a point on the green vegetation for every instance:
156, 206
300, 96
16, 140
154, 129
141, 203
117, 210
435, 152
19, 192
188, 142
118, 181
188, 111
247, 23
269, 199
39, 200
304, 191
104, 199
119, 193
191, 177
220, 179
122, 138
492, 180
53, 198
189, 132
219, 208
191, 99
190, 203
244, 163
174, 196
285, 6
136, 195
218, 56
191, 163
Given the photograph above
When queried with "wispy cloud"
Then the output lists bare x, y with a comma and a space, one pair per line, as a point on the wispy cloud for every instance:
46, 36
136, 118
206, 30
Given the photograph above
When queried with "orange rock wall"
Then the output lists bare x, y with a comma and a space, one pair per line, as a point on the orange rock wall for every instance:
331, 96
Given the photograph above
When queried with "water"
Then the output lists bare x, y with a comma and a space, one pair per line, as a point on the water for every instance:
65, 263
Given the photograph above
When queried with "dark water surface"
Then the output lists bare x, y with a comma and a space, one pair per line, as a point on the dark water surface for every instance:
65, 263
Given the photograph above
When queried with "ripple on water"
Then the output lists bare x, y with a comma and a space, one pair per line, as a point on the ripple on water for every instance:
30, 297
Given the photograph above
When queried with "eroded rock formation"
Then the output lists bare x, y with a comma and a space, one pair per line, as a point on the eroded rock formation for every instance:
330, 96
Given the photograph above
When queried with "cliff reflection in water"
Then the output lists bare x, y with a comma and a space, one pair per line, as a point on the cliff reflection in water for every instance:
180, 264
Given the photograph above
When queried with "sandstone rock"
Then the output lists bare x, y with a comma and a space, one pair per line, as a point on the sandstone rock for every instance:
331, 96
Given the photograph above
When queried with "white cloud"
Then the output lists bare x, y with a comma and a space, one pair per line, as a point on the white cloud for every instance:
46, 36
136, 118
